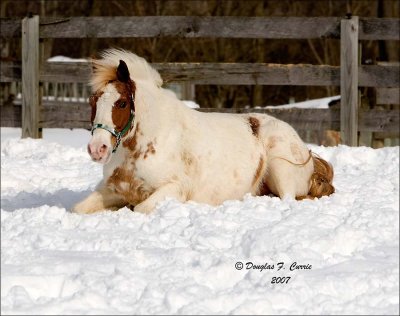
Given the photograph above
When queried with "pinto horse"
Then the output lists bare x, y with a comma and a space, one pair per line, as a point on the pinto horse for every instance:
153, 146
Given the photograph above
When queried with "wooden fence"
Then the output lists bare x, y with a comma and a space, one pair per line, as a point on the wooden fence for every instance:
350, 119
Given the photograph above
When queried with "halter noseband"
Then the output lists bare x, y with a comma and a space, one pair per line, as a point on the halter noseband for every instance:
113, 131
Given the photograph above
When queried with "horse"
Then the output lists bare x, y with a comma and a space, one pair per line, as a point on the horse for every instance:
152, 146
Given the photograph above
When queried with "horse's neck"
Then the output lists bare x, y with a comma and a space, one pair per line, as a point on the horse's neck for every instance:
157, 115
155, 110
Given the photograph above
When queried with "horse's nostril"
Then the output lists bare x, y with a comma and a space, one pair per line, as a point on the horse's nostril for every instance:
103, 149
88, 149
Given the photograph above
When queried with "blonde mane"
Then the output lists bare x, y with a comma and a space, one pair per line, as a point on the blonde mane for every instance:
104, 70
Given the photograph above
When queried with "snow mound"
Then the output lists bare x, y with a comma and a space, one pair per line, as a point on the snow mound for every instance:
191, 104
65, 59
186, 258
322, 103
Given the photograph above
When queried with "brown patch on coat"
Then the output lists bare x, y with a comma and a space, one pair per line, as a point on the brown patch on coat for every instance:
120, 115
132, 189
258, 173
113, 141
321, 179
136, 154
131, 143
187, 158
272, 141
150, 150
190, 167
93, 103
254, 125
132, 146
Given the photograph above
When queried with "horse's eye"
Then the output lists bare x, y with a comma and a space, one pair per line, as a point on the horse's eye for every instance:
121, 104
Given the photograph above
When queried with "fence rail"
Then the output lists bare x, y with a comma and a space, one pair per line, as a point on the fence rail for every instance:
204, 26
75, 115
350, 119
224, 73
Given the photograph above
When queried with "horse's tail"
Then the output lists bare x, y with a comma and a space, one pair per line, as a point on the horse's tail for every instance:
321, 179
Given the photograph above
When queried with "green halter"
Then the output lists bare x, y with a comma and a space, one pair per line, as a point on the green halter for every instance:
113, 131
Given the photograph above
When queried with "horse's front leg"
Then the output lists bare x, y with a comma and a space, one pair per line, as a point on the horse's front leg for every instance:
173, 190
101, 199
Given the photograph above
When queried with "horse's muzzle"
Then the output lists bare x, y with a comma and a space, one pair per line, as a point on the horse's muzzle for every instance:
99, 152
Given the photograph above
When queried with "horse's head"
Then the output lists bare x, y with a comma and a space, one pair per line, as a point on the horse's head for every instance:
113, 111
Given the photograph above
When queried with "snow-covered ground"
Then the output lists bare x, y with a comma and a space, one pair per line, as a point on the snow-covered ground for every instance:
183, 258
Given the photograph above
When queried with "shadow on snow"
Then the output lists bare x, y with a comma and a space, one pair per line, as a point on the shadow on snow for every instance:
63, 198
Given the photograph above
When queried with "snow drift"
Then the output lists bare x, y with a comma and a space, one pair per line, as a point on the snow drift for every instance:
186, 258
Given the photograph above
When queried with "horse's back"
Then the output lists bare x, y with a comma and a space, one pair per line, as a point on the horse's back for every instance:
225, 153
240, 152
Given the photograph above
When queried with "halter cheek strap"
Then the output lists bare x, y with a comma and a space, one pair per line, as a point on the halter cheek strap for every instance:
113, 131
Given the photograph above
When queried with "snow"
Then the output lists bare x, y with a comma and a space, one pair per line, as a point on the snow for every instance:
322, 103
65, 59
181, 259
191, 104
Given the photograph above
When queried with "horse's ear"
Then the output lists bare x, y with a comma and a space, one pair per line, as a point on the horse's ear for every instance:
92, 61
123, 72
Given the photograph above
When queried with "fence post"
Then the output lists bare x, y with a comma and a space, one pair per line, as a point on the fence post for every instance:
30, 77
349, 81
188, 91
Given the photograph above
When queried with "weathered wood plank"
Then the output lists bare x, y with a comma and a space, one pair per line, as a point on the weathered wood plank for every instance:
300, 119
10, 27
208, 73
225, 73
248, 73
65, 115
30, 77
349, 81
382, 135
68, 115
77, 115
387, 121
11, 116
274, 74
66, 72
10, 71
388, 95
221, 27
183, 26
379, 76
379, 29
196, 26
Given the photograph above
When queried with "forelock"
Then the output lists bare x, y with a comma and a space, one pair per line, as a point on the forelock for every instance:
103, 73
109, 96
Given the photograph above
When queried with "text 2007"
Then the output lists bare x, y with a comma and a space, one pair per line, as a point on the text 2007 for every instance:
283, 280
